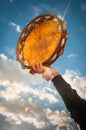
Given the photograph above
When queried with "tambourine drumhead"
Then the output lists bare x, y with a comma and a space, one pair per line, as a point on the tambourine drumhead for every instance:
42, 40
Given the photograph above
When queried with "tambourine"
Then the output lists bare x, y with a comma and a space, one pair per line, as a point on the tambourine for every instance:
42, 40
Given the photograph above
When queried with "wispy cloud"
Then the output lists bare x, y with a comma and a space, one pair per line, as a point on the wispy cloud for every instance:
11, 51
40, 9
72, 55
11, 1
82, 28
15, 26
18, 115
83, 6
35, 116
2, 56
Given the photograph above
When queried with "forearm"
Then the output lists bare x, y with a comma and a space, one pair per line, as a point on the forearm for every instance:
68, 94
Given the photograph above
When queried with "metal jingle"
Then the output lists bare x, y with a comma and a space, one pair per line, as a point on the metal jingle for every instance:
26, 63
59, 16
47, 17
62, 42
64, 25
23, 35
55, 20
38, 19
20, 46
67, 36
54, 57
20, 56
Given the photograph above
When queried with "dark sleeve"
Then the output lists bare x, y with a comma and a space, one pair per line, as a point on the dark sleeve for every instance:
73, 102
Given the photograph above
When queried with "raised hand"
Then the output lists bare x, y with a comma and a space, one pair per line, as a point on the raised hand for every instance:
47, 72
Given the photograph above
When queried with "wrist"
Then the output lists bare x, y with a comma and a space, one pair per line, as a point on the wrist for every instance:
54, 75
50, 73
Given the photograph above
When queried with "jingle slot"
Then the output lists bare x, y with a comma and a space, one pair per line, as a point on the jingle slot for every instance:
19, 46
61, 52
36, 25
20, 56
59, 28
23, 35
29, 26
26, 33
22, 43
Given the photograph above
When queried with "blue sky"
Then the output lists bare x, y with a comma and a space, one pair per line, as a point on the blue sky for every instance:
46, 110
17, 13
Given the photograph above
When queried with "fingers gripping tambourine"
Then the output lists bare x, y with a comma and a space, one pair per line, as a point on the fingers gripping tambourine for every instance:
42, 40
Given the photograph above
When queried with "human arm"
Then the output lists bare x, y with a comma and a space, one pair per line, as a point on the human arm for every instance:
67, 93
75, 105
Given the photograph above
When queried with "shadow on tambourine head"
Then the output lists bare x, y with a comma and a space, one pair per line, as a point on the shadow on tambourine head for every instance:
42, 40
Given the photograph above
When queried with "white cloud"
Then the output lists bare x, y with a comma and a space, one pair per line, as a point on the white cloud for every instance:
18, 84
14, 25
2, 56
18, 115
77, 82
58, 118
35, 121
15, 91
83, 6
35, 115
14, 78
62, 117
72, 55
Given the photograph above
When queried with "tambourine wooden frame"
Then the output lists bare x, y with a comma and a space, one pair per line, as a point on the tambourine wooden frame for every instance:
26, 31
